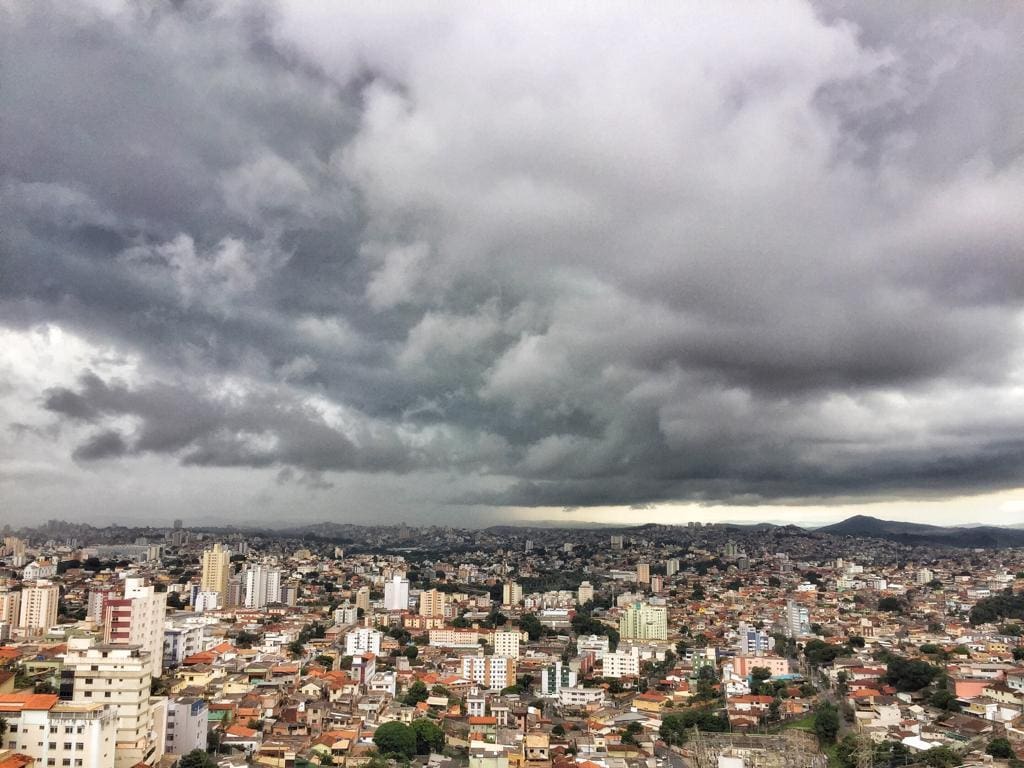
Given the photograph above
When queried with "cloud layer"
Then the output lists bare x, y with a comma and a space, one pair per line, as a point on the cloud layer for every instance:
515, 256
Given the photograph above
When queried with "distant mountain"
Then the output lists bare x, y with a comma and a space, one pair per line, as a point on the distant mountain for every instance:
921, 534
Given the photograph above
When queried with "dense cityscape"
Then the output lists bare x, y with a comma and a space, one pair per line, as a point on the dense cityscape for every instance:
515, 384
639, 647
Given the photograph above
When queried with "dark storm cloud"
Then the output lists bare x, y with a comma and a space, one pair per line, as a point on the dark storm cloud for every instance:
748, 254
104, 445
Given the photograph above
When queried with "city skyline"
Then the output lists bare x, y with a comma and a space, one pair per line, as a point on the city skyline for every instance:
302, 262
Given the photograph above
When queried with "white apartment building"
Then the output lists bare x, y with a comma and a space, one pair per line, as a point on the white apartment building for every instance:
187, 724
262, 585
59, 734
39, 569
596, 644
396, 593
455, 638
492, 672
346, 614
621, 663
180, 642
120, 676
580, 697
643, 621
38, 607
137, 618
506, 643
363, 640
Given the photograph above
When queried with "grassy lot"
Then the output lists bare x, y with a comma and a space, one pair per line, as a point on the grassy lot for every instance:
833, 758
805, 723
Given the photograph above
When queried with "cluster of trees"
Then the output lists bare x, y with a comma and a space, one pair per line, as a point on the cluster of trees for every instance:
826, 723
910, 674
399, 741
1003, 606
819, 652
583, 623
675, 727
890, 605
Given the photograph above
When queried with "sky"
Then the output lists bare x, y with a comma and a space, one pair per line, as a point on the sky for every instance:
476, 263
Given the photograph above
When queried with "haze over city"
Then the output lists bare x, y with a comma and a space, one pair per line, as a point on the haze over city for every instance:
477, 263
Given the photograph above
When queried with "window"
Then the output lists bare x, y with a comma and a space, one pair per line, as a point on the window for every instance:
66, 761
53, 745
12, 745
53, 729
50, 761
67, 745
68, 729
78, 761
106, 694
88, 681
79, 745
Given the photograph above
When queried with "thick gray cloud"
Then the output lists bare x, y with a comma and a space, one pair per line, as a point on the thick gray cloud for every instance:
469, 257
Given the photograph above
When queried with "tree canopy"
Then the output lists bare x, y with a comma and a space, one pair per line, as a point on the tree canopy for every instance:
396, 740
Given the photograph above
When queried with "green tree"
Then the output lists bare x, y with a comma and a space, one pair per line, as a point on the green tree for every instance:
197, 758
826, 723
1000, 748
429, 737
890, 605
531, 625
939, 757
395, 740
675, 727
417, 692
943, 699
411, 652
909, 674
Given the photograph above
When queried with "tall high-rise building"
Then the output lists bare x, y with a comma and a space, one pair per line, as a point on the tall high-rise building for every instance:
798, 620
216, 569
643, 573
618, 541
671, 567
396, 593
137, 618
555, 677
642, 621
363, 599
10, 606
657, 583
585, 593
119, 675
506, 643
262, 586
511, 593
38, 607
432, 602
